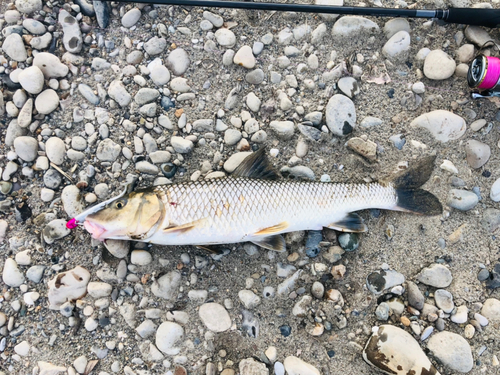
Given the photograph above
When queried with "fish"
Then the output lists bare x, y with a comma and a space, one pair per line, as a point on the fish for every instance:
253, 204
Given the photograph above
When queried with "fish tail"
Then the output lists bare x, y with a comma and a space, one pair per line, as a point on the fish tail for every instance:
410, 198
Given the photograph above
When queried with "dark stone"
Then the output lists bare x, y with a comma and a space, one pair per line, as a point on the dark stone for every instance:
314, 237
167, 103
494, 280
349, 241
9, 83
486, 174
285, 330
330, 353
310, 132
250, 324
390, 93
86, 8
347, 128
22, 211
102, 11
483, 275
168, 169
415, 297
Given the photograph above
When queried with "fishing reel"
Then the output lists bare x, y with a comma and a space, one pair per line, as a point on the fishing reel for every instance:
484, 75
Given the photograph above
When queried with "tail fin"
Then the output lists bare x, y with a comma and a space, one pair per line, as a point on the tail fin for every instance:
409, 197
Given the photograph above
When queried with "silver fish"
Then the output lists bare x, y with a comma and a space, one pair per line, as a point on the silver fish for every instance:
253, 205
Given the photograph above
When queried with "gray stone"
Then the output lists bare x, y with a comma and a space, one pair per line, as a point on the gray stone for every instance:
349, 86
155, 46
444, 300
130, 18
478, 153
118, 93
34, 27
178, 61
396, 25
72, 36
255, 77
296, 366
462, 200
26, 148
491, 310
31, 79
107, 150
435, 275
340, 115
381, 280
181, 145
451, 350
55, 230
55, 150
438, 65
443, 125
225, 38
13, 46
166, 286
215, 317
415, 297
28, 6
50, 65
354, 26
88, 94
35, 273
283, 129
398, 46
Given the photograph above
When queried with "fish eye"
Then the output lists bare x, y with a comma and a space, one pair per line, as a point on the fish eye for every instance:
119, 204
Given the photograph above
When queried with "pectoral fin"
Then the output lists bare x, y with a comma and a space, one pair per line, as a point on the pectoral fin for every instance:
276, 243
178, 229
350, 223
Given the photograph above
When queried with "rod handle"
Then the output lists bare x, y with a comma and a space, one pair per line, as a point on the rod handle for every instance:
474, 16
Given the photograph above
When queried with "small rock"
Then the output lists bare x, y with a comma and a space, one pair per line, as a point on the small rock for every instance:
225, 38
50, 65
11, 274
181, 145
215, 317
55, 230
245, 57
491, 310
354, 26
250, 366
443, 125
451, 350
47, 101
160, 75
155, 46
340, 115
381, 280
178, 61
168, 336
141, 257
415, 297
478, 153
462, 200
444, 300
31, 79
26, 148
13, 46
460, 316
349, 86
67, 286
107, 150
438, 65
367, 148
167, 285
249, 298
72, 35
55, 149
146, 328
117, 92
296, 366
435, 275
398, 46
255, 77
130, 18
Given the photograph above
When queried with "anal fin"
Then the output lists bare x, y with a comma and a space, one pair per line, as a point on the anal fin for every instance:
352, 222
275, 243
210, 249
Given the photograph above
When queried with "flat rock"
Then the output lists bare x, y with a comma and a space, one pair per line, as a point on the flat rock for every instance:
225, 38
13, 46
383, 351
451, 350
72, 200
155, 46
283, 129
435, 275
478, 153
444, 300
340, 115
168, 338
354, 26
108, 150
160, 75
443, 125
55, 150
55, 230
381, 280
72, 35
438, 65
349, 86
28, 6
395, 25
67, 286
215, 317
181, 145
130, 18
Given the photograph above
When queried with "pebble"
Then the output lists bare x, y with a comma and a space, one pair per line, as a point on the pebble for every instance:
13, 46
443, 125
215, 317
396, 25
354, 26
11, 274
107, 150
155, 46
26, 148
244, 57
35, 273
130, 18
349, 86
415, 297
232, 136
340, 115
491, 310
47, 101
365, 148
349, 241
451, 350
160, 75
31, 79
67, 286
146, 328
181, 145
119, 249
99, 289
478, 153
435, 275
118, 93
491, 219
398, 46
382, 311
462, 200
460, 315
168, 338
249, 298
225, 38
55, 230
50, 65
381, 280
383, 351
250, 366
296, 366
178, 61
444, 300
72, 35
88, 94
438, 65
22, 348
141, 257
318, 290
253, 102
255, 77
283, 129
47, 368
179, 84
167, 285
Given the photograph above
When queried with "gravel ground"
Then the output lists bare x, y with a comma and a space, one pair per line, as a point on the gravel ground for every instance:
169, 94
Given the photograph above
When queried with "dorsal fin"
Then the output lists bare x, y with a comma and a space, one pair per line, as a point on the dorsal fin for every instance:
256, 165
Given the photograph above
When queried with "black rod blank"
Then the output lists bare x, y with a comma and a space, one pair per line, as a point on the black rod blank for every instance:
466, 16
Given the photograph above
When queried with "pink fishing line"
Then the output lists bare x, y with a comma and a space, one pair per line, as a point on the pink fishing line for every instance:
71, 224
492, 73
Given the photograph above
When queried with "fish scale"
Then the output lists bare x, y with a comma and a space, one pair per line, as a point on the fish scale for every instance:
234, 209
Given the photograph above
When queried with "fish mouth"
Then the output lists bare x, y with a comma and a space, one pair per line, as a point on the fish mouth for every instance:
96, 230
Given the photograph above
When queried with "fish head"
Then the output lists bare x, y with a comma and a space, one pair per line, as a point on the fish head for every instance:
135, 216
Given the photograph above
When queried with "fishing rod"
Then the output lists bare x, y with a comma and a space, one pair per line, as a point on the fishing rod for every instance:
467, 16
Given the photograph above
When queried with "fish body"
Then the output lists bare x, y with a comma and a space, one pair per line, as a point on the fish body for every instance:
252, 205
